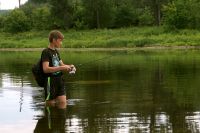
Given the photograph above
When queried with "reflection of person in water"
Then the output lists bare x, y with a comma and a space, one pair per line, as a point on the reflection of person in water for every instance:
52, 122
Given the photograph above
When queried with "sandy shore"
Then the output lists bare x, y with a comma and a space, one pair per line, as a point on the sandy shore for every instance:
105, 49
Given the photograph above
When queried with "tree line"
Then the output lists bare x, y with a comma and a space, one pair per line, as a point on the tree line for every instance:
95, 14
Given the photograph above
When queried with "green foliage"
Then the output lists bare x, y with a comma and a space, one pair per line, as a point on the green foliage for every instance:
146, 17
2, 19
38, 1
61, 13
181, 14
106, 38
98, 13
169, 15
194, 17
28, 9
41, 18
125, 17
17, 21
79, 23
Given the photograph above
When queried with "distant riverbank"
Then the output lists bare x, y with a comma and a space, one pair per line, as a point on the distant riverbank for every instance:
148, 37
107, 49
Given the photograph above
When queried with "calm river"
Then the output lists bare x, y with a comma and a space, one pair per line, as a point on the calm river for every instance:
115, 91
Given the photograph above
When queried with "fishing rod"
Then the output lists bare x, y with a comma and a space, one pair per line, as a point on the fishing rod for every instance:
89, 62
106, 57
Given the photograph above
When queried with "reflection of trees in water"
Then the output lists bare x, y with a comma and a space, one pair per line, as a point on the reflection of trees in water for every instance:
53, 121
146, 93
122, 122
163, 112
129, 122
165, 99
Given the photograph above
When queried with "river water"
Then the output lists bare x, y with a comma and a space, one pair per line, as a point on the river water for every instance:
139, 91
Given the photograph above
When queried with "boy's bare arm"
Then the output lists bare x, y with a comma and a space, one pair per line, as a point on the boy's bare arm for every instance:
62, 64
48, 69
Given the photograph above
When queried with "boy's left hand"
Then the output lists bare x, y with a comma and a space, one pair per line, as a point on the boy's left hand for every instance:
73, 68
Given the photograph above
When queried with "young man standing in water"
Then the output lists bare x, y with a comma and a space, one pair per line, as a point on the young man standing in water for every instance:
53, 67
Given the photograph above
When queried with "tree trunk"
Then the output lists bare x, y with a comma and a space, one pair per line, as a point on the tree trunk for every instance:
98, 23
19, 3
158, 14
157, 11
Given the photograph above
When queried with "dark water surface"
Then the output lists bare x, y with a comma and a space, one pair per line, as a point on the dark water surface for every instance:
128, 91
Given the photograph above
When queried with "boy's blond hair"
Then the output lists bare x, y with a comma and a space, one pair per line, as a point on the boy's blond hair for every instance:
55, 34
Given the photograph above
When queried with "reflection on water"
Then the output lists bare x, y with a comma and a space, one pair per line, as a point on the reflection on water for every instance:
15, 113
53, 121
11, 81
193, 121
141, 91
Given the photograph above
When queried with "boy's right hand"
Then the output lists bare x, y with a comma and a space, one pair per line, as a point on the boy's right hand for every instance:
66, 68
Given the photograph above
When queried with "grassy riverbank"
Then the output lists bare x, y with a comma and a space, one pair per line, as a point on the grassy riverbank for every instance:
105, 38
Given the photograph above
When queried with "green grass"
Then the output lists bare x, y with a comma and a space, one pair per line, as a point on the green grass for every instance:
105, 38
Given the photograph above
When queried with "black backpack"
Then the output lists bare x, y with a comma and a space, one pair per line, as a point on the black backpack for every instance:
38, 73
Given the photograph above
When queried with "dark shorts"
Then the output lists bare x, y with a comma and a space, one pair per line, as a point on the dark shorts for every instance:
54, 87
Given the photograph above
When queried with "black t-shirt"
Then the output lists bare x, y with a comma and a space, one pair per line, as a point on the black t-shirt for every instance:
53, 57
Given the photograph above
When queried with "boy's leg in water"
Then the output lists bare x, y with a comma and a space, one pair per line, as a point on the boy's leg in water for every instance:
61, 101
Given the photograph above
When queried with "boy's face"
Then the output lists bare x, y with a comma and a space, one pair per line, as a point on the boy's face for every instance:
57, 43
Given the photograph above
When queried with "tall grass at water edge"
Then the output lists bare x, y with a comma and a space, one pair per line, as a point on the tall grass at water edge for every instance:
105, 38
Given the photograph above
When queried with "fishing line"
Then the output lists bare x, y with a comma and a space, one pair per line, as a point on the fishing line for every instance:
106, 57
90, 62
72, 72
